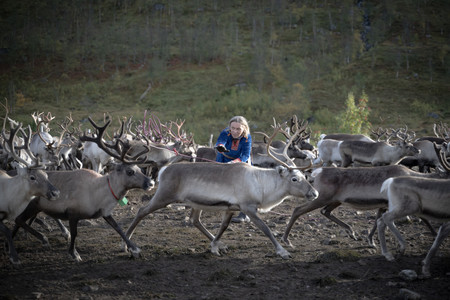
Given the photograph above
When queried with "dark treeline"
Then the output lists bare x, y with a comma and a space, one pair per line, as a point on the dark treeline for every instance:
117, 33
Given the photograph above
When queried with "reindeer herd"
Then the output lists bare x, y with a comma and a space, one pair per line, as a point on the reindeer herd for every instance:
85, 174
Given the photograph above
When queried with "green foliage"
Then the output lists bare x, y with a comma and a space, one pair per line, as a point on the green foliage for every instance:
248, 102
355, 119
422, 108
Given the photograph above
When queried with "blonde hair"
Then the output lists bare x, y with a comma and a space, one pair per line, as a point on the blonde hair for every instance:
243, 121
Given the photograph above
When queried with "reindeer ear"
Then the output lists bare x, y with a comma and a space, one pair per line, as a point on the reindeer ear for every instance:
115, 166
283, 171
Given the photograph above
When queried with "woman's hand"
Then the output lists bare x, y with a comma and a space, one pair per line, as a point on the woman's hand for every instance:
221, 148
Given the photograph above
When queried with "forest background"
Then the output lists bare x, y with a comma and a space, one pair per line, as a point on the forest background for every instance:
204, 61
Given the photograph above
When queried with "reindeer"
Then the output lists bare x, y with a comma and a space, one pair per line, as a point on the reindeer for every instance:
427, 158
205, 154
328, 146
42, 143
95, 158
346, 137
283, 151
424, 197
328, 152
17, 191
378, 153
206, 186
86, 194
68, 145
357, 187
169, 147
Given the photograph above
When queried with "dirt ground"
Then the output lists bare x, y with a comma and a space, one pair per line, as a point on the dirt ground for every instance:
176, 262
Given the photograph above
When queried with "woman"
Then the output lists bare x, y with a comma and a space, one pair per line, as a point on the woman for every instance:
235, 145
235, 142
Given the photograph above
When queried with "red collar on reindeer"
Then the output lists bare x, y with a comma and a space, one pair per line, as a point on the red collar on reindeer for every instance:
122, 201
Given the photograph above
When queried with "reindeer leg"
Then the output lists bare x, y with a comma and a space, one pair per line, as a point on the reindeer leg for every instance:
66, 163
299, 211
133, 248
216, 245
326, 211
195, 219
153, 204
26, 227
374, 228
443, 232
381, 236
432, 230
13, 257
252, 213
73, 223
64, 231
41, 222
29, 213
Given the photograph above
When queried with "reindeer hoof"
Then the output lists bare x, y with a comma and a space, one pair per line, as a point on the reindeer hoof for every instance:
215, 251
372, 244
15, 261
124, 247
66, 236
389, 256
46, 243
425, 270
284, 254
135, 252
287, 242
76, 257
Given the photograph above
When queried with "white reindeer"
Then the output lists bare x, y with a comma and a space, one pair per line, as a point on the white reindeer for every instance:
42, 144
17, 191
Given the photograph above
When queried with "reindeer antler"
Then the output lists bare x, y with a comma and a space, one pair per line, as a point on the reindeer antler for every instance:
6, 113
379, 133
442, 131
401, 133
8, 145
440, 152
278, 129
121, 147
65, 128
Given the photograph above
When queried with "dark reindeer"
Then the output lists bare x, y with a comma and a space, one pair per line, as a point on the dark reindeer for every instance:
357, 187
86, 194
378, 153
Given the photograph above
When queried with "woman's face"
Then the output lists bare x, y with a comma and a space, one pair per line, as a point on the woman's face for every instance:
236, 129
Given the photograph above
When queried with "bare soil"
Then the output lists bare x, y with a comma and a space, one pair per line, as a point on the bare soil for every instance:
176, 263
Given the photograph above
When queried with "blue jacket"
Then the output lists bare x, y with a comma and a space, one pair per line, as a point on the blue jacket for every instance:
240, 149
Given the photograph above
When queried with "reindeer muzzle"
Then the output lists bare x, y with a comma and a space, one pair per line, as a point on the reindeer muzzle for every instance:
53, 194
312, 194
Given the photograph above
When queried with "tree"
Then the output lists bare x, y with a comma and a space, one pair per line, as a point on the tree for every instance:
355, 118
